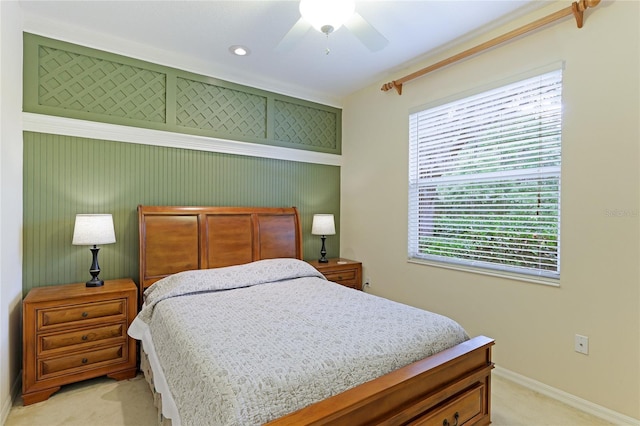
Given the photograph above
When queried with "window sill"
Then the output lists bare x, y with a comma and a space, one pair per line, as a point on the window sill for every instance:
493, 273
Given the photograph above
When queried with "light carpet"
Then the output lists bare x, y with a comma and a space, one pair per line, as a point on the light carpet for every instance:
105, 402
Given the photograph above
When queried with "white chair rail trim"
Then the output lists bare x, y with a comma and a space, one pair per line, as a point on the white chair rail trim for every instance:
112, 132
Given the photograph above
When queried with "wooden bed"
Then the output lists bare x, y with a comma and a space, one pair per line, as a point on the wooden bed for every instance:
450, 388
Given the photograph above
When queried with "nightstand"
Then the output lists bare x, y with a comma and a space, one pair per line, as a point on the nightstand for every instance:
73, 332
342, 271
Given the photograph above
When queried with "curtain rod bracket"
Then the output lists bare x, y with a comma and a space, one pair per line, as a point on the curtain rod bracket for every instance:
393, 85
579, 14
578, 8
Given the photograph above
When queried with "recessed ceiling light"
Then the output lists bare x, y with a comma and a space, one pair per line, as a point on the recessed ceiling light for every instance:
239, 50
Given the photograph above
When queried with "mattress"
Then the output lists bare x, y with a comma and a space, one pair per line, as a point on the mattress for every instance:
243, 345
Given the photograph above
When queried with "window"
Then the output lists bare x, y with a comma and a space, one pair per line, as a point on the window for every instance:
484, 179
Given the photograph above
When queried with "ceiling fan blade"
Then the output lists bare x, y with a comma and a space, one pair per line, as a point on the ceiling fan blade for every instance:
368, 35
294, 35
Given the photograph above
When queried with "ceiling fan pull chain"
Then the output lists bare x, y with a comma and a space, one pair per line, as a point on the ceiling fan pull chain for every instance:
327, 50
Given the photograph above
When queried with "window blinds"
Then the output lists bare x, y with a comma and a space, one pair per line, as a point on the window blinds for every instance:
484, 179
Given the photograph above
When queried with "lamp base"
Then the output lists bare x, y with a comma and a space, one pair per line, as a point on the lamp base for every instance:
94, 270
323, 252
94, 282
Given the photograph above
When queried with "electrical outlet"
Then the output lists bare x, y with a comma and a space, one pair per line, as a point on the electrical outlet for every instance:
367, 282
582, 344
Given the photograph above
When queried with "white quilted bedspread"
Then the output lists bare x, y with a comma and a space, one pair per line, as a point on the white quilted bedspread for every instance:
244, 345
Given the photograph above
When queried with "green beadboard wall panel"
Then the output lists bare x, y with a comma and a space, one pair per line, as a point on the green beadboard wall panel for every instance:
66, 175
68, 80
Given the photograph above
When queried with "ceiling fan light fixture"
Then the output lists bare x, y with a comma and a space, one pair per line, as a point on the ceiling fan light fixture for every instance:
327, 16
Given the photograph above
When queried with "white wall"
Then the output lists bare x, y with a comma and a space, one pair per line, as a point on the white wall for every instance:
533, 324
10, 202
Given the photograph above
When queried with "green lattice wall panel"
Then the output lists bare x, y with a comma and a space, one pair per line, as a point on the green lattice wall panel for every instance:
303, 125
211, 107
68, 80
66, 175
79, 82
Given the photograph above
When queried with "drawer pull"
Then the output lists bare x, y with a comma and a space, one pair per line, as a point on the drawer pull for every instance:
85, 314
85, 360
456, 416
85, 337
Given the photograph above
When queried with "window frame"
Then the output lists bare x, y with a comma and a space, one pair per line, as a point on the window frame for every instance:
530, 275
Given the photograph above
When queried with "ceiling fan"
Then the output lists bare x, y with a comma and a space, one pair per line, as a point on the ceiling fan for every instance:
328, 16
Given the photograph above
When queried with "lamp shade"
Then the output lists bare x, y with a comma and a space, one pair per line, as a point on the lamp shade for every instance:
93, 229
323, 224
329, 13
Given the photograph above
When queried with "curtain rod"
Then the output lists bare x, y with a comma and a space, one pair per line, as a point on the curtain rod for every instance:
576, 9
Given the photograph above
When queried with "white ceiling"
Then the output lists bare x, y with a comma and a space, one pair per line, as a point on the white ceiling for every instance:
202, 31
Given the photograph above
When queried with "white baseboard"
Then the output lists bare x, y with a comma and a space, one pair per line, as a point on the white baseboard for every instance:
6, 407
8, 402
567, 398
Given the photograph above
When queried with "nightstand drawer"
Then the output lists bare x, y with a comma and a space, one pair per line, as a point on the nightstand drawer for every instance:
342, 277
342, 271
85, 360
111, 310
77, 339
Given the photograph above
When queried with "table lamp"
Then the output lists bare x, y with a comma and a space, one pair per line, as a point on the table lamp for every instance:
91, 230
323, 225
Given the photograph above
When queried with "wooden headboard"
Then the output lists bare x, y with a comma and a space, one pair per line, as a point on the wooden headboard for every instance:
175, 239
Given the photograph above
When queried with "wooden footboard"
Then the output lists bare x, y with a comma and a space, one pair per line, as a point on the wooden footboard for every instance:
452, 387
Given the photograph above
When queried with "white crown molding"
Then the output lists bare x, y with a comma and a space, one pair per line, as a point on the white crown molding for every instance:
566, 398
111, 132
